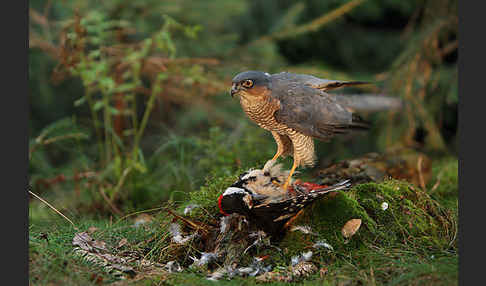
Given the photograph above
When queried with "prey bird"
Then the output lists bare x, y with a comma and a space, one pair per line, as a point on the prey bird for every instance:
296, 108
268, 206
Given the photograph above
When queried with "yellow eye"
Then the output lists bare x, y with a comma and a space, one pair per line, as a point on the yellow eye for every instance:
247, 83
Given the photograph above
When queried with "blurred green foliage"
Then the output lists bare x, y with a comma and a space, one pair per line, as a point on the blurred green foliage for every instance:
129, 102
130, 110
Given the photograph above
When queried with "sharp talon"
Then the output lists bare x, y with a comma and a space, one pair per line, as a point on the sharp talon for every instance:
276, 183
285, 186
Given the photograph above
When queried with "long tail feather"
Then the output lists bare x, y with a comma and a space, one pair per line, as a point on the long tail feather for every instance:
369, 102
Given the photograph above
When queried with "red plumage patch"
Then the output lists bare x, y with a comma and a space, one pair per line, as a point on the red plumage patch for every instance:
311, 186
219, 205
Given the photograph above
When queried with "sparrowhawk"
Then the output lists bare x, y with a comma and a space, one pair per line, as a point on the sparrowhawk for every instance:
296, 108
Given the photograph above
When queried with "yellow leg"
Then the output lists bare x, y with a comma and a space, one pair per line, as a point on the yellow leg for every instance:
279, 152
294, 166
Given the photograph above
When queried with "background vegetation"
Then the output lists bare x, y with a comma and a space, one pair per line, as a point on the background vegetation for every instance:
130, 105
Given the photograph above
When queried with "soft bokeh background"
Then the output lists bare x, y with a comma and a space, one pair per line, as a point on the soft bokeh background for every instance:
130, 105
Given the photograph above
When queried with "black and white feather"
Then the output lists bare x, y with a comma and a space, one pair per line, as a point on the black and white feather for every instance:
258, 195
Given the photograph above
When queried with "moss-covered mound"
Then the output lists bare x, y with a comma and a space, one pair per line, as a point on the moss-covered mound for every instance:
393, 212
401, 225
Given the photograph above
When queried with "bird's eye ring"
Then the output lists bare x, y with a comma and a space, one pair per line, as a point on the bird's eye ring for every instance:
247, 83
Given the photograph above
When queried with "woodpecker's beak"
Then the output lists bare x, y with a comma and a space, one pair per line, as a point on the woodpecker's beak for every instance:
234, 90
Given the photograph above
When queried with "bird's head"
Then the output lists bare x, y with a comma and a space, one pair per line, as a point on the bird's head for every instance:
235, 200
251, 83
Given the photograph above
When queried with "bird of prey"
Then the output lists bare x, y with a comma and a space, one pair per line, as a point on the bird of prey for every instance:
296, 108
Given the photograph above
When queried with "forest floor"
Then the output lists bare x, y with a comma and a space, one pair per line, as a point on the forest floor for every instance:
410, 240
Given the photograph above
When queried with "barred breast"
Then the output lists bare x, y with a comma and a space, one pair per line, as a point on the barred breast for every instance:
262, 112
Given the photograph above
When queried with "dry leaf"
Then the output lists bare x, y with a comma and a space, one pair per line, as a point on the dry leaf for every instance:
86, 242
351, 227
83, 240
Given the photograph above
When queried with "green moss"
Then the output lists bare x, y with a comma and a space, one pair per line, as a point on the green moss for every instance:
414, 236
400, 245
207, 196
412, 218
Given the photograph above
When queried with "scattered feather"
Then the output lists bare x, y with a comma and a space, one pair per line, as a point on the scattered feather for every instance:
244, 270
304, 229
224, 224
305, 256
323, 244
189, 208
384, 206
173, 266
260, 235
206, 257
256, 268
218, 274
261, 239
292, 273
295, 259
177, 237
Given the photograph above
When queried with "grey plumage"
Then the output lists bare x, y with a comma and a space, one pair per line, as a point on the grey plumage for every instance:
310, 111
296, 108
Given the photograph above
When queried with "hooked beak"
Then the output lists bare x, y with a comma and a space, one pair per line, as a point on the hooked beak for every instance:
234, 90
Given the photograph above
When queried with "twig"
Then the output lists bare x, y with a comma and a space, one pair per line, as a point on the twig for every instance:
49, 205
54, 139
35, 41
419, 169
109, 202
449, 48
313, 25
139, 212
187, 221
120, 182
437, 183
38, 18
